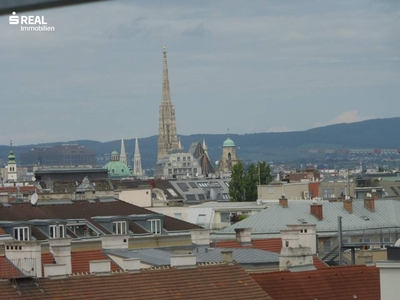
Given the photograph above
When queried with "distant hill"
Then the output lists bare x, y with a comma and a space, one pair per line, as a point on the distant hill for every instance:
282, 146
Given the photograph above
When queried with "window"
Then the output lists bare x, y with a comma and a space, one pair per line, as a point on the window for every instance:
201, 219
56, 231
365, 240
119, 227
386, 239
21, 233
155, 226
178, 216
184, 158
327, 193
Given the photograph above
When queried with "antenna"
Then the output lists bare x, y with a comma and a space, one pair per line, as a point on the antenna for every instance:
34, 198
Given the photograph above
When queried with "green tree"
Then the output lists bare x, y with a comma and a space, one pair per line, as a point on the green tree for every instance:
236, 185
243, 184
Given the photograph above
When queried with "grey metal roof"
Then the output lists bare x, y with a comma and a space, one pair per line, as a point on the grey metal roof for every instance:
241, 255
275, 218
157, 257
149, 256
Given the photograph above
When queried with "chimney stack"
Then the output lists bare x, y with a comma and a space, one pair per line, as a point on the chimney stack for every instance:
348, 205
183, 261
227, 257
316, 210
369, 203
100, 267
200, 236
131, 264
55, 270
283, 201
28, 251
60, 248
243, 236
115, 241
290, 238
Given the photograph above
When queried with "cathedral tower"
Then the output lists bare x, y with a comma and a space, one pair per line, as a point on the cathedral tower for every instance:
137, 164
167, 136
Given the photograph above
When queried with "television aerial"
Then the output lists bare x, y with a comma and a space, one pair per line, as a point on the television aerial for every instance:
34, 198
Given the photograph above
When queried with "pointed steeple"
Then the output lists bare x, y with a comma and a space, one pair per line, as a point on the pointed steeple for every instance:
122, 157
167, 135
137, 166
205, 148
180, 144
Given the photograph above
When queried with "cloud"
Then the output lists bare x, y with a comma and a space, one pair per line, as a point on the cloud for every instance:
350, 116
197, 31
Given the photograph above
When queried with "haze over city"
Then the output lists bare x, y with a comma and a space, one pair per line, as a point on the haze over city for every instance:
254, 66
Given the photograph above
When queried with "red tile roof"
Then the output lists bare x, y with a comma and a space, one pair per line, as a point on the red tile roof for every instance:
7, 269
80, 260
273, 244
219, 281
22, 189
337, 283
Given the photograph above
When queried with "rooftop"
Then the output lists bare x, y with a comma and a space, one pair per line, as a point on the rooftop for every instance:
349, 282
210, 281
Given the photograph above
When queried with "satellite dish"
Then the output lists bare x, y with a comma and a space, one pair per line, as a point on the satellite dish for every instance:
33, 178
34, 198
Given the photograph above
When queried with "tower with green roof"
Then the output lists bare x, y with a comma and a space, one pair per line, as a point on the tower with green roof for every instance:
12, 166
229, 158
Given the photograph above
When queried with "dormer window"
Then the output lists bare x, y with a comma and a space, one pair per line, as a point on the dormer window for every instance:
119, 227
21, 233
155, 226
56, 231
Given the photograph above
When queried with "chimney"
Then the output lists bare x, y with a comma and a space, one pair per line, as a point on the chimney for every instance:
389, 273
348, 205
295, 257
283, 201
115, 241
200, 236
61, 250
243, 235
29, 252
290, 238
131, 264
227, 257
369, 203
55, 270
307, 235
100, 267
316, 210
183, 261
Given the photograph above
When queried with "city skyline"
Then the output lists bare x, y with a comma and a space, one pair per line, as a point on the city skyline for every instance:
250, 67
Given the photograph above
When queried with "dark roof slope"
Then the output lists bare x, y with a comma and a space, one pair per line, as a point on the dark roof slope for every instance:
337, 283
82, 209
219, 281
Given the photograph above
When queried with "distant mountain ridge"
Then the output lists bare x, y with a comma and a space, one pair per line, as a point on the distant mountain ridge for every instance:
283, 146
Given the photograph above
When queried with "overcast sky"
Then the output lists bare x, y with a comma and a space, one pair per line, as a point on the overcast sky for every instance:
250, 66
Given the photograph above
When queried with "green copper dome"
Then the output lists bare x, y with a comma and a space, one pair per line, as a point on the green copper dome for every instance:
228, 143
11, 156
116, 168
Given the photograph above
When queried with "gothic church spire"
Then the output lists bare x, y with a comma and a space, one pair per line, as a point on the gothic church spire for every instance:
167, 135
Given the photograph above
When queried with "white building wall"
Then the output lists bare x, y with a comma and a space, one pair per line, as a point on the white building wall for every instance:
140, 197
